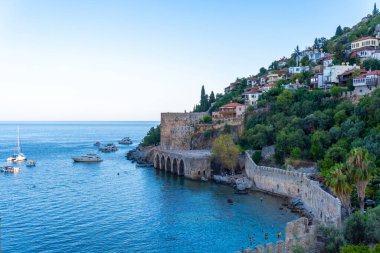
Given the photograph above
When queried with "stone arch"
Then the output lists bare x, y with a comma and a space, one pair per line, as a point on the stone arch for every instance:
157, 162
175, 166
181, 170
168, 164
162, 167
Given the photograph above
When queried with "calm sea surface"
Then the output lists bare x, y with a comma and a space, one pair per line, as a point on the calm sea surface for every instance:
61, 206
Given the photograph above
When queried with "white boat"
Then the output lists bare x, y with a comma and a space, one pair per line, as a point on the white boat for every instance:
10, 169
89, 158
108, 148
126, 141
19, 157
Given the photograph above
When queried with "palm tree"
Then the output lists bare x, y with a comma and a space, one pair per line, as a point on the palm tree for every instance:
361, 168
338, 180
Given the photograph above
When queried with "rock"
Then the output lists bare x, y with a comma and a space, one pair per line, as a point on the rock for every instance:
141, 155
243, 183
230, 201
221, 179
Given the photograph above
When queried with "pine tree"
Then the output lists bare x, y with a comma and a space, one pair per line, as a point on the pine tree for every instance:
375, 10
204, 100
212, 98
339, 31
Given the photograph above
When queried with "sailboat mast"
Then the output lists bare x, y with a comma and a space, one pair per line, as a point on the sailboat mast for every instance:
18, 140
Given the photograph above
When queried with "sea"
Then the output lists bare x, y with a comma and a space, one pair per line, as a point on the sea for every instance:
114, 206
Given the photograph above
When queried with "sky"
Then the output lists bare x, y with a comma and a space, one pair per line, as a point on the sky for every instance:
82, 60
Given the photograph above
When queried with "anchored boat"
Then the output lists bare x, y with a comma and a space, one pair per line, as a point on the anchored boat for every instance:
89, 158
126, 141
19, 157
10, 169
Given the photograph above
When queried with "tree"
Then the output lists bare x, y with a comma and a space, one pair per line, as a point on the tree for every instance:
339, 181
225, 152
361, 168
263, 71
152, 137
371, 64
339, 31
297, 53
305, 61
211, 99
375, 10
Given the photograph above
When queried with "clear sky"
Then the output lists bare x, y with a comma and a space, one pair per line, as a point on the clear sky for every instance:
131, 60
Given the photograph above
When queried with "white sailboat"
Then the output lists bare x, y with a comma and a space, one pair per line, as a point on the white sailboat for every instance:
19, 157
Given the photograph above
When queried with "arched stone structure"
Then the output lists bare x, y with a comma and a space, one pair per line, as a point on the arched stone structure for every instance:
168, 166
162, 167
193, 164
175, 166
156, 161
181, 170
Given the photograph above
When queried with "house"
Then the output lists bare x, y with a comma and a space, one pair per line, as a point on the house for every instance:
282, 62
344, 77
251, 96
231, 110
272, 78
330, 74
365, 43
316, 81
263, 79
252, 81
313, 55
231, 87
317, 69
297, 70
366, 83
266, 87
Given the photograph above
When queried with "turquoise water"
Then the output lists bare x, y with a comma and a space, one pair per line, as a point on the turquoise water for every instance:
61, 206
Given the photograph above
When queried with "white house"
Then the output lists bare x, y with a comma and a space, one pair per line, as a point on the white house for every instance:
366, 83
297, 70
330, 74
251, 97
252, 81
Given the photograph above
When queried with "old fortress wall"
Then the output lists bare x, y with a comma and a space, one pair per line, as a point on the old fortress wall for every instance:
324, 207
177, 130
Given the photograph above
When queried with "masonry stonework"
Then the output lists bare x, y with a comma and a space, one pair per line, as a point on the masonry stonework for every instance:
324, 207
177, 130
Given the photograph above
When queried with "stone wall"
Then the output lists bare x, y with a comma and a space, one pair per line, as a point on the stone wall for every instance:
298, 234
177, 130
322, 205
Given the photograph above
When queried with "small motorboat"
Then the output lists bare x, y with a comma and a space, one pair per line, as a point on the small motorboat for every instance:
126, 141
10, 169
97, 144
108, 148
31, 163
89, 158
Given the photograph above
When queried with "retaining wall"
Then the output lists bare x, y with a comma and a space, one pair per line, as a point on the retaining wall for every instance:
324, 207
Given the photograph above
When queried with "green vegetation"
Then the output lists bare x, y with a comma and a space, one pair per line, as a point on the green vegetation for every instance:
205, 101
225, 152
349, 239
152, 137
206, 119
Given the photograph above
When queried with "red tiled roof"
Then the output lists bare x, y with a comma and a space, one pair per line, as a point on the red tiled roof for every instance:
231, 105
375, 72
364, 38
252, 78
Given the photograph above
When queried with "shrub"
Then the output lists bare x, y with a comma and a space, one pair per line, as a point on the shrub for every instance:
298, 249
334, 237
355, 249
206, 119
296, 153
256, 157
152, 137
352, 225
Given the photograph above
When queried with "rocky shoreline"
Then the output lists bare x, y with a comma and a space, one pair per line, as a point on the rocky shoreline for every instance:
141, 155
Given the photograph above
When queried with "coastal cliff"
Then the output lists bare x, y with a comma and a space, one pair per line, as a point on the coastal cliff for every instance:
142, 155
